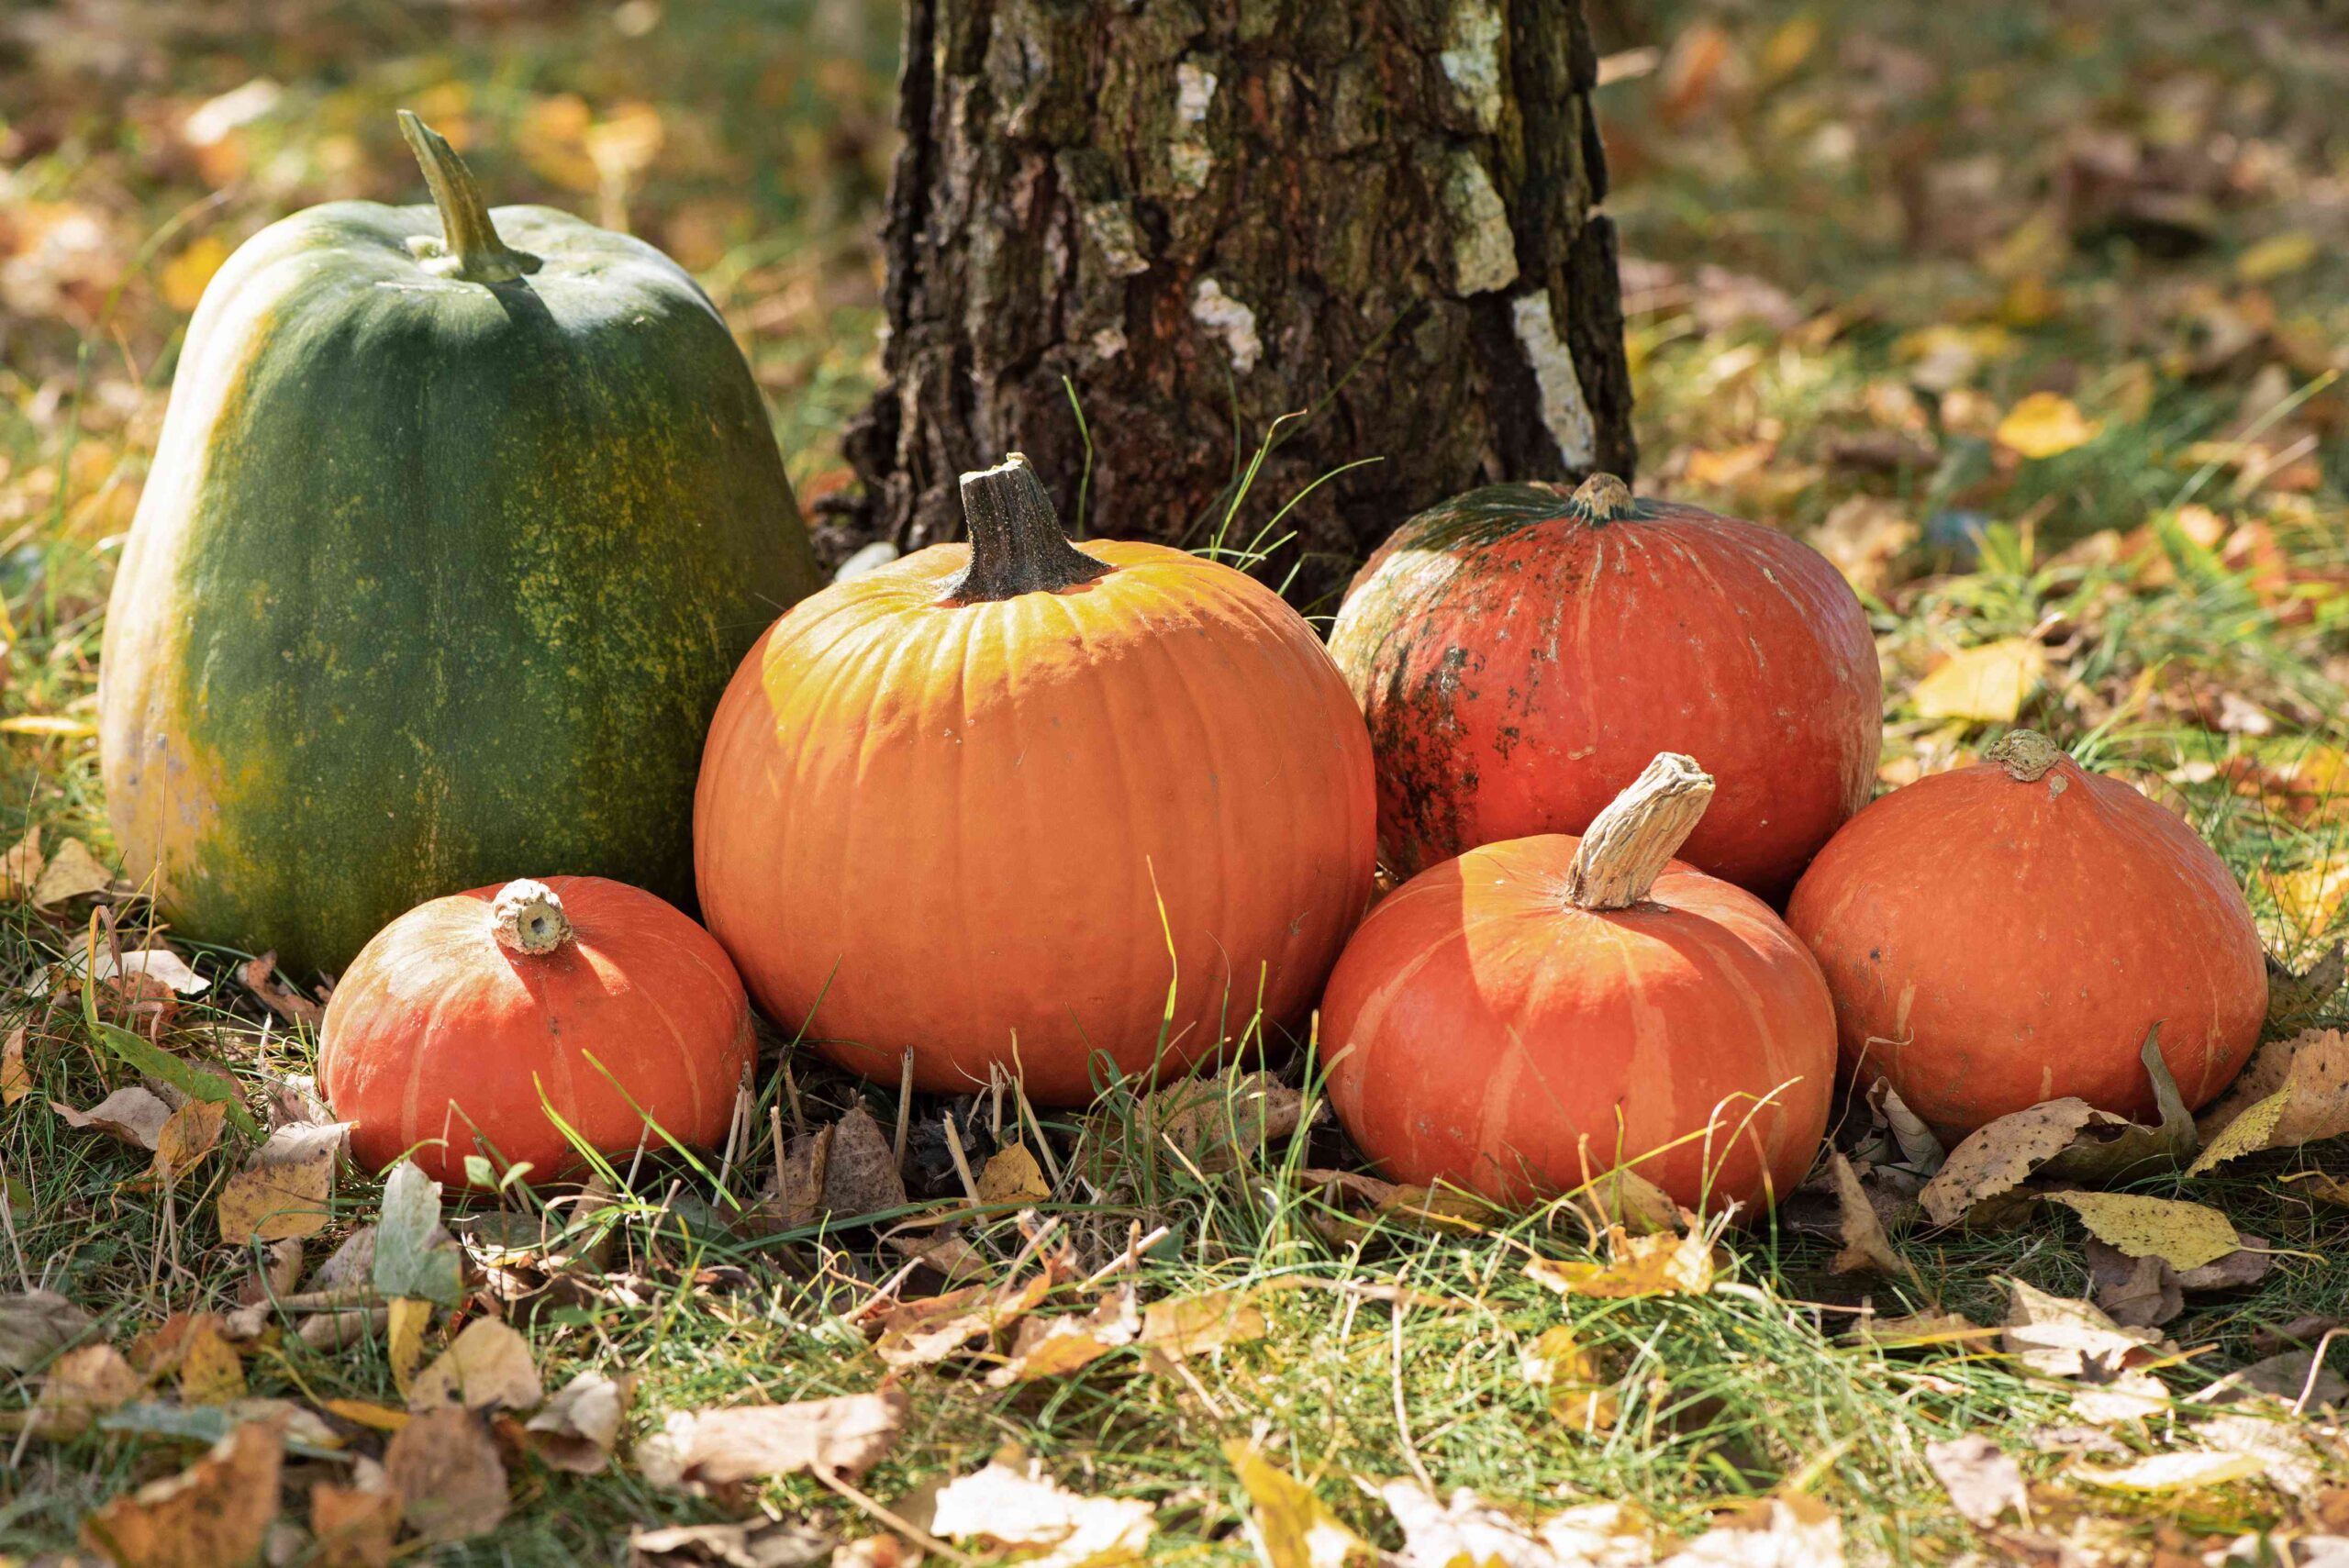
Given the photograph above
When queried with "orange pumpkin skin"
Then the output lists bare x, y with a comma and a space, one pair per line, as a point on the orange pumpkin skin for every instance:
1995, 941
1479, 1027
437, 1029
1520, 655
960, 828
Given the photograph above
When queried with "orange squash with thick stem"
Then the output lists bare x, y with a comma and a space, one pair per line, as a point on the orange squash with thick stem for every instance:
1521, 653
2005, 934
984, 804
466, 1021
1525, 1017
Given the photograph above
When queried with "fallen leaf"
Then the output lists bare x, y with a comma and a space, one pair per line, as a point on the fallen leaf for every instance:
861, 1174
2295, 1000
353, 1526
2183, 1235
82, 1384
260, 976
1218, 1124
187, 1135
2139, 1293
1027, 1512
366, 1413
1919, 1330
1920, 1151
761, 1543
350, 1266
1985, 685
134, 1115
2266, 259
487, 1365
1996, 1159
2288, 1461
1582, 1396
946, 1251
2058, 1337
2289, 1376
36, 1326
413, 1256
1790, 1530
2110, 1148
405, 1318
1012, 1176
581, 1425
1638, 1265
2292, 1092
450, 1483
214, 1514
285, 1188
1466, 1529
1866, 1248
211, 1373
20, 867
71, 872
2171, 1472
1982, 1481
2045, 425
1183, 1326
275, 1275
160, 964
15, 1078
1599, 1535
847, 1436
1290, 1526
1054, 1347
1621, 1195
2247, 1265
924, 1332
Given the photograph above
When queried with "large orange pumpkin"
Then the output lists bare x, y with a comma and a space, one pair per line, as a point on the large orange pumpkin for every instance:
1520, 654
462, 1024
986, 802
2005, 934
1536, 1012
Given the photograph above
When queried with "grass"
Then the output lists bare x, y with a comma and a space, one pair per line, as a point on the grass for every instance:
1783, 165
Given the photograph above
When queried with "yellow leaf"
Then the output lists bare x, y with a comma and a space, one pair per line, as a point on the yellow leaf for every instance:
403, 1340
382, 1417
187, 273
284, 1189
1580, 1394
187, 1136
1290, 1526
219, 1511
2046, 424
2183, 1235
1790, 46
1986, 684
1012, 1175
2247, 1134
2276, 255
1642, 1265
53, 725
211, 1373
2173, 1472
2292, 1092
16, 1079
1186, 1325
20, 866
488, 1364
72, 872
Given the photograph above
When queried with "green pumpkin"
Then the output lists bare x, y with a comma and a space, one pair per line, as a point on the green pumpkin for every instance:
448, 553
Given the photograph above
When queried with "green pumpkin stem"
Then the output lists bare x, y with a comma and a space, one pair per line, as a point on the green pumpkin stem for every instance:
1017, 545
1601, 498
526, 918
1627, 846
469, 249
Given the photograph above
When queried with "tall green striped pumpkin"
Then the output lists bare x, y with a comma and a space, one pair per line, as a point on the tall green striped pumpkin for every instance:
460, 523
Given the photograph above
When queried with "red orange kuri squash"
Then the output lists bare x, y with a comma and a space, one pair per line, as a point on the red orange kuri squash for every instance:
984, 803
2008, 933
465, 1021
1535, 1012
1520, 654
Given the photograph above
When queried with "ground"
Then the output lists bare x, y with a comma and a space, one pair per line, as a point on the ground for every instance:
2029, 316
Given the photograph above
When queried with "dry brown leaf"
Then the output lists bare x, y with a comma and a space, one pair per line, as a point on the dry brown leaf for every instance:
1637, 1266
846, 1436
355, 1527
1467, 1530
860, 1176
82, 1385
15, 1078
924, 1332
2064, 1337
2289, 1376
214, 1514
260, 976
2171, 1472
2292, 1092
1622, 1197
285, 1187
760, 1543
71, 872
1920, 1330
1997, 1159
489, 1365
1187, 1325
1866, 1248
1780, 1532
945, 1250
188, 1134
211, 1371
2183, 1235
1012, 1176
1982, 1481
1054, 1347
37, 1324
2247, 1265
451, 1484
2135, 1293
2268, 1432
20, 865
1027, 1512
1582, 1396
275, 1275
1218, 1124
581, 1425
134, 1115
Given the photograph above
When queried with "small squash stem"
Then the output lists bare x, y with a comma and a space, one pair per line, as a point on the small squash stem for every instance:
1017, 545
1628, 845
470, 250
1602, 499
527, 917
2025, 754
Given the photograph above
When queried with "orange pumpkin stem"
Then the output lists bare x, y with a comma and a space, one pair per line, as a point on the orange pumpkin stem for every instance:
1628, 845
1016, 544
527, 917
2025, 754
1601, 498
471, 251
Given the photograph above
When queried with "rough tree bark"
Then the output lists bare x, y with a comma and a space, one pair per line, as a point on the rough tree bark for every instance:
1206, 214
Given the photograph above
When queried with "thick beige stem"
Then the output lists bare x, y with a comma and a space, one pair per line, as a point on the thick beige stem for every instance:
2025, 754
527, 917
1629, 843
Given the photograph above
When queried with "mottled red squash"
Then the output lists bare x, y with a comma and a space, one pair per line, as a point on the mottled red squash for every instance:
1538, 1011
451, 1025
1520, 655
2005, 934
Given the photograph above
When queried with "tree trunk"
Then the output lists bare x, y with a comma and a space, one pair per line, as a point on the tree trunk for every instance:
1208, 214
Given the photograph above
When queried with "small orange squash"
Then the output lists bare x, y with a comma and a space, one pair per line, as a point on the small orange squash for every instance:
1536, 1012
465, 1021
984, 803
2005, 934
